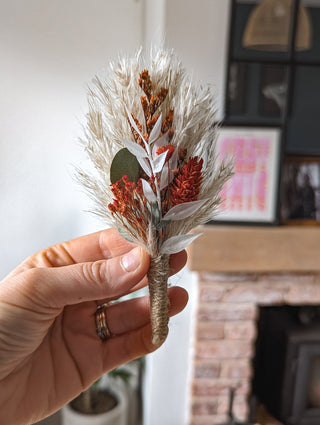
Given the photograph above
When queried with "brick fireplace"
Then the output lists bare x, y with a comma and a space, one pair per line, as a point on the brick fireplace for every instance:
240, 270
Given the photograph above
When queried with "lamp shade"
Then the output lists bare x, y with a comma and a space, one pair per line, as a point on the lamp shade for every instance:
268, 27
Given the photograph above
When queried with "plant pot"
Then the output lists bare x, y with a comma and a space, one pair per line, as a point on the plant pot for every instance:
116, 416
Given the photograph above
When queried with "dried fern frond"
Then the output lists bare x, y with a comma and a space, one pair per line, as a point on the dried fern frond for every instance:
151, 136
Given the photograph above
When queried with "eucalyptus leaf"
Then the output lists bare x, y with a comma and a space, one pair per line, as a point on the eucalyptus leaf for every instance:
124, 163
177, 243
125, 234
156, 215
162, 224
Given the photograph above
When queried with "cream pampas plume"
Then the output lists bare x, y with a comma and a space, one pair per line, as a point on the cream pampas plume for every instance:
151, 137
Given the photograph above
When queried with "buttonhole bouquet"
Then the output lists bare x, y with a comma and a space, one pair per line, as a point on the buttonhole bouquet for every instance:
150, 135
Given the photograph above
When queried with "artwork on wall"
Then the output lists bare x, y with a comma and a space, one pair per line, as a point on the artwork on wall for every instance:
236, 97
273, 90
300, 191
251, 194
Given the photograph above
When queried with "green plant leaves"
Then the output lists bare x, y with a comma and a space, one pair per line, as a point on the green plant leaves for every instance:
124, 163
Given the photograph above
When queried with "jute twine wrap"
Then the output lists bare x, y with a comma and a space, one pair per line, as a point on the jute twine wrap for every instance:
159, 303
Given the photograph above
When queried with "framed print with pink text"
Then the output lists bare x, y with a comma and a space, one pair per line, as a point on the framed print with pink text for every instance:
251, 194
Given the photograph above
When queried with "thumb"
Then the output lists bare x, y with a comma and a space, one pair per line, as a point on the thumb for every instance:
59, 286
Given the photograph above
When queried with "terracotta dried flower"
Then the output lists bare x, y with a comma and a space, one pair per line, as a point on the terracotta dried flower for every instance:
151, 137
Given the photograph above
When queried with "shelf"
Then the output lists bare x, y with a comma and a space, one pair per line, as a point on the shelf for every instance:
256, 249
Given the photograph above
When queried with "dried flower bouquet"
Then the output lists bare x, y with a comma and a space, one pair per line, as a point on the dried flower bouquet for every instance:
151, 137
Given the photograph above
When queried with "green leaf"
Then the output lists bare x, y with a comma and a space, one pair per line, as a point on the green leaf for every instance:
121, 373
124, 234
124, 163
162, 224
155, 213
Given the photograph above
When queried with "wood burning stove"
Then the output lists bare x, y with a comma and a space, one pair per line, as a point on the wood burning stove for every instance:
287, 364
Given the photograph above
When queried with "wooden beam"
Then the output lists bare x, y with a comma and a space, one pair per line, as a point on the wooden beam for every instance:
256, 249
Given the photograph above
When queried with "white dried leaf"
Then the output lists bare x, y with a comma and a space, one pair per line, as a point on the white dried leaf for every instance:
167, 175
182, 211
145, 166
177, 243
148, 192
158, 163
173, 162
134, 125
162, 141
155, 132
165, 180
134, 148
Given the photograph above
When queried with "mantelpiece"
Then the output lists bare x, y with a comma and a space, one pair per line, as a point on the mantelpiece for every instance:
256, 249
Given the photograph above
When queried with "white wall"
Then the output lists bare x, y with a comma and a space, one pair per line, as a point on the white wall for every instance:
198, 31
49, 51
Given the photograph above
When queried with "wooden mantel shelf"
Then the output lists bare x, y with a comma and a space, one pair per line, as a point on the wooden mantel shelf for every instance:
256, 249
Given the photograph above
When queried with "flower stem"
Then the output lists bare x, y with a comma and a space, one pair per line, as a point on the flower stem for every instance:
158, 282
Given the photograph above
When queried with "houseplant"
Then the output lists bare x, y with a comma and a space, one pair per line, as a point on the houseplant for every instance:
104, 403
113, 399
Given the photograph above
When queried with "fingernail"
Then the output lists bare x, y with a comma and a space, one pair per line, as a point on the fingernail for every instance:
131, 260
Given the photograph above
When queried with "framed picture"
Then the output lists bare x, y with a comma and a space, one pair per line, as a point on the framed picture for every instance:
273, 89
236, 93
251, 194
300, 191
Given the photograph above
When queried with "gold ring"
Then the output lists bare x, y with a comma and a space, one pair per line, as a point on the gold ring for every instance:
102, 328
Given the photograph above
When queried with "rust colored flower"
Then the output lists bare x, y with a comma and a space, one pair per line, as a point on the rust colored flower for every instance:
168, 148
167, 122
156, 101
182, 154
129, 205
151, 123
145, 107
145, 83
186, 185
135, 133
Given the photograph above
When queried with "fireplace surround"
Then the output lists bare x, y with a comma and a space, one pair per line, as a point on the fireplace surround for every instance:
240, 270
286, 375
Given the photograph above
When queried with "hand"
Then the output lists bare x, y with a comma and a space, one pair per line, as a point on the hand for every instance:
49, 349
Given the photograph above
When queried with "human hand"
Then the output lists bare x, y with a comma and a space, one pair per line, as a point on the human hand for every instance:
49, 349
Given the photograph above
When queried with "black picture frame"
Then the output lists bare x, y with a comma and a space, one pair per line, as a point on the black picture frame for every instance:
256, 110
237, 88
300, 191
273, 90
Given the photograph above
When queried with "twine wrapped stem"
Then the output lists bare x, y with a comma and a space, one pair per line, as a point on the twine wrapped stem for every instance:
159, 303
